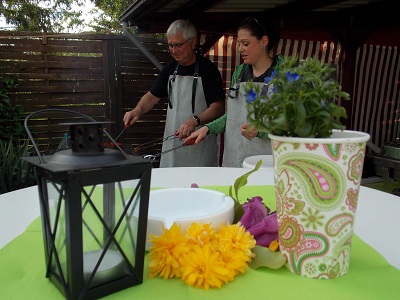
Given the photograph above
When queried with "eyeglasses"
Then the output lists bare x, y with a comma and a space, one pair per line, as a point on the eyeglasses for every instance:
254, 20
177, 45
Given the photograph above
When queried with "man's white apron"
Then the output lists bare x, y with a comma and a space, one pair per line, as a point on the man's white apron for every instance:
205, 153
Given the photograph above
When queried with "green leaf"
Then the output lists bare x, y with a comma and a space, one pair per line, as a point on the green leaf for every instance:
264, 257
242, 180
234, 191
239, 211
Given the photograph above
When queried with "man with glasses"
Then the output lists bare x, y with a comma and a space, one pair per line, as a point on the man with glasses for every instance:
195, 93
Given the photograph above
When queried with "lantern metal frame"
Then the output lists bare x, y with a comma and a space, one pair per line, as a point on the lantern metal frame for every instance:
70, 181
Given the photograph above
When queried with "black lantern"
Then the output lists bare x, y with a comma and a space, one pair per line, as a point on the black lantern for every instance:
94, 204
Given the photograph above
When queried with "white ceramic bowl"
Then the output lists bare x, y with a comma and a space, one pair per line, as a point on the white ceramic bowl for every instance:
185, 206
267, 162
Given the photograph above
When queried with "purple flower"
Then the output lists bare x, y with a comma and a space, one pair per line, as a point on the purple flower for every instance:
254, 212
265, 231
251, 96
267, 79
257, 220
292, 77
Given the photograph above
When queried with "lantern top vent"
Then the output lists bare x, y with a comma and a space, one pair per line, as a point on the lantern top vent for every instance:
87, 148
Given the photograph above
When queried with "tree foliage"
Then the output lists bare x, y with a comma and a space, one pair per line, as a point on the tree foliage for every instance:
63, 15
108, 14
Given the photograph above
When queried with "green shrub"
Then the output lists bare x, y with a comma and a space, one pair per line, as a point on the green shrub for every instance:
11, 121
14, 172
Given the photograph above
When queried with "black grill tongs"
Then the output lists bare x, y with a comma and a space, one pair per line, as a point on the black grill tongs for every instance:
154, 142
160, 141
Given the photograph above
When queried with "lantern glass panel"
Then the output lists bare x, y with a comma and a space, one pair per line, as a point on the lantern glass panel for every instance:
109, 229
56, 216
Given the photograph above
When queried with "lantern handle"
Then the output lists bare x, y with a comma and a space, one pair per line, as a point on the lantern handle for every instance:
49, 110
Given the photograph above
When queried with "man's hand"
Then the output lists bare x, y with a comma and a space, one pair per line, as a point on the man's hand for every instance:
145, 104
132, 116
186, 128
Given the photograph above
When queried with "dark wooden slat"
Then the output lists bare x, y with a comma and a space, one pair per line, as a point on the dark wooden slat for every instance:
90, 48
56, 64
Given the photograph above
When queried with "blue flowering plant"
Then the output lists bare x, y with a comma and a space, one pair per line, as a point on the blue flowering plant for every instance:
299, 99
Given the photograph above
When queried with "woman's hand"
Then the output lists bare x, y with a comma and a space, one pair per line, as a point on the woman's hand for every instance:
199, 135
248, 131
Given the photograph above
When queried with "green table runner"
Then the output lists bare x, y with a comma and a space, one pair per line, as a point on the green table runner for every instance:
22, 274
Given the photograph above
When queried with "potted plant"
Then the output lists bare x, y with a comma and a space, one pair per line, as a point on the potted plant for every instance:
317, 164
303, 101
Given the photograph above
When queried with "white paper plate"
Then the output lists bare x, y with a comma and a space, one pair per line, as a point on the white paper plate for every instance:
267, 162
185, 206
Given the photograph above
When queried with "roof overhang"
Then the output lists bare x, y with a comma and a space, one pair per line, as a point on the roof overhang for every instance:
223, 16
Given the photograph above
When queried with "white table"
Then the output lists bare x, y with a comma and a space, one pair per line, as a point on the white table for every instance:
377, 219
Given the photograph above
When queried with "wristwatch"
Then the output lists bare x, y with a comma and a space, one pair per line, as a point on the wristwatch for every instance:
197, 119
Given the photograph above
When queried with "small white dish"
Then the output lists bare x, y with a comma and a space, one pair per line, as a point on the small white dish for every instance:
267, 162
186, 206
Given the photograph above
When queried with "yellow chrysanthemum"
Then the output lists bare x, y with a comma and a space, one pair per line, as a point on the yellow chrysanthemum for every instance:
200, 234
204, 259
235, 244
203, 268
166, 251
235, 262
236, 236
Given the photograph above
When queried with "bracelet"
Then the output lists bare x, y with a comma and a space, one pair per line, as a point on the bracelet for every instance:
197, 119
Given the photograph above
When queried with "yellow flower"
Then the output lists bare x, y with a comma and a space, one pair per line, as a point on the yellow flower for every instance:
199, 234
203, 268
235, 245
202, 258
166, 251
274, 246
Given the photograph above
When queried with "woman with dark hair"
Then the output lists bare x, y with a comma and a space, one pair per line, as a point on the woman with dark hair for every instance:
242, 140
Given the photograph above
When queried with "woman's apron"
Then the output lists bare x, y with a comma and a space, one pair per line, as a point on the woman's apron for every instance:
236, 146
181, 90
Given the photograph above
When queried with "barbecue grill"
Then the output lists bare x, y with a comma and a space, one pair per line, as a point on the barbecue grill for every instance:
386, 163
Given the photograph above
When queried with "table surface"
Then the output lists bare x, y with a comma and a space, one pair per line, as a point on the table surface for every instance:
377, 222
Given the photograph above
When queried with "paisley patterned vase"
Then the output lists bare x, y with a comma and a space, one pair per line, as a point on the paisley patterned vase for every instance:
316, 184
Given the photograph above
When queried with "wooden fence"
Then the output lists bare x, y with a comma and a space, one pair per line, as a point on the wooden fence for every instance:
101, 76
